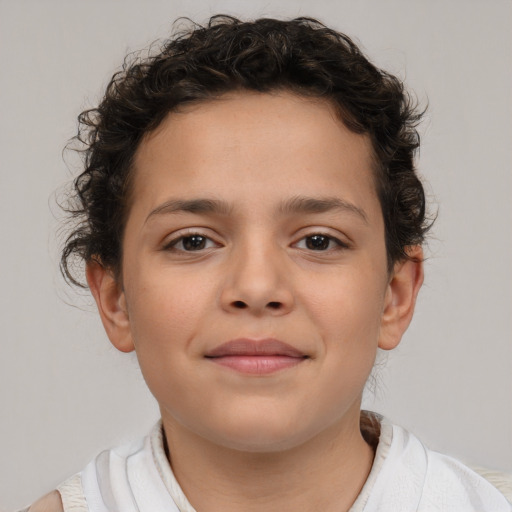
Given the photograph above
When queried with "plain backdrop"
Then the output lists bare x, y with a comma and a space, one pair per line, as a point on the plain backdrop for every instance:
65, 394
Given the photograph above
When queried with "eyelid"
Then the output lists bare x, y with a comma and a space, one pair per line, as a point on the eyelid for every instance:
340, 245
342, 241
340, 238
172, 240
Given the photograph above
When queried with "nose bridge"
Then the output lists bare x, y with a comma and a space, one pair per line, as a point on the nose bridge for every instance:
257, 278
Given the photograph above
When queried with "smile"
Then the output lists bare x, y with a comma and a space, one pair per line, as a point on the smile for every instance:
257, 357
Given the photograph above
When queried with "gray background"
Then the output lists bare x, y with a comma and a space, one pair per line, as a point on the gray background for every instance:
65, 394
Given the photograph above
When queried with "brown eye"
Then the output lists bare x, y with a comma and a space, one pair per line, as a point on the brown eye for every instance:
318, 242
191, 243
194, 242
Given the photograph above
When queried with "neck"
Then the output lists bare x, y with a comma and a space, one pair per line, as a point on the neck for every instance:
325, 473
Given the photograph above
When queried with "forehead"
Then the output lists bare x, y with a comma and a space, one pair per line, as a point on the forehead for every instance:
254, 146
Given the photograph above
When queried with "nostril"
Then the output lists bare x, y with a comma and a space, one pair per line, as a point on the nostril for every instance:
239, 304
274, 305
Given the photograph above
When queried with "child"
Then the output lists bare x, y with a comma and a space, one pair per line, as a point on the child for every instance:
251, 225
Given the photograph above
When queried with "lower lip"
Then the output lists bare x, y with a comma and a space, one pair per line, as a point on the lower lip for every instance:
259, 364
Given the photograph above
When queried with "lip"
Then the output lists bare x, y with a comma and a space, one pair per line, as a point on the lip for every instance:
258, 357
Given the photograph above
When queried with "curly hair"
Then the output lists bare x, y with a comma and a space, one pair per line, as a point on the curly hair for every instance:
302, 56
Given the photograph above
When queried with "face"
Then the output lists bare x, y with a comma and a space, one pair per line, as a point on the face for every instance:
254, 286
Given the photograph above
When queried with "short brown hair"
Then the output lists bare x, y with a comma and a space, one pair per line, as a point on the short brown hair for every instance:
301, 55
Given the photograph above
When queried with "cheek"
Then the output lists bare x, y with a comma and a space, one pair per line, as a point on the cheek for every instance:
165, 310
350, 326
165, 317
347, 306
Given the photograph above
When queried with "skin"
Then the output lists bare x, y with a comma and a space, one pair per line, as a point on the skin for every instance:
49, 503
242, 441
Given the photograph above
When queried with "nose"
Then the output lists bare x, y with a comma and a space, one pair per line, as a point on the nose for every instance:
258, 282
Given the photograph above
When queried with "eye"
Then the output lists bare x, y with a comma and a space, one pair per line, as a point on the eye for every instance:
320, 242
191, 243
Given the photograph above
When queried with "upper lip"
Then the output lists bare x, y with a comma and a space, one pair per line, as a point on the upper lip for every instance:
253, 347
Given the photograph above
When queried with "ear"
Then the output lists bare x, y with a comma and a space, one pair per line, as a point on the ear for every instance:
402, 290
111, 303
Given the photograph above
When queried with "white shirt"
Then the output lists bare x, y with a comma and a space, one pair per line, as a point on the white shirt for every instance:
405, 477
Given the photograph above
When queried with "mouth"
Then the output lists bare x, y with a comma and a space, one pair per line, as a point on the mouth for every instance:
257, 357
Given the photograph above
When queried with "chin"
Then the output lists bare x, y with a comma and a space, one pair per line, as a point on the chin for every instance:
261, 435
261, 443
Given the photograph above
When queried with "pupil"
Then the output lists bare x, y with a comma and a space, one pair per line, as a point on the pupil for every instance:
317, 242
194, 242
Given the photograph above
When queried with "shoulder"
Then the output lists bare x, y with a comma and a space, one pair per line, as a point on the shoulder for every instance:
414, 477
447, 481
450, 478
500, 479
49, 503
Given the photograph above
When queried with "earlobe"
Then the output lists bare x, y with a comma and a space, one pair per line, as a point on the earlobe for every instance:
401, 294
111, 302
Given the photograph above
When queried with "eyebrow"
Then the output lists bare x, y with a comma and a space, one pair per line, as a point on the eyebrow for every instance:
191, 206
298, 204
302, 204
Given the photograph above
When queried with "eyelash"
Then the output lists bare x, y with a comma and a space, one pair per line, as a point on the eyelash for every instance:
339, 245
172, 245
